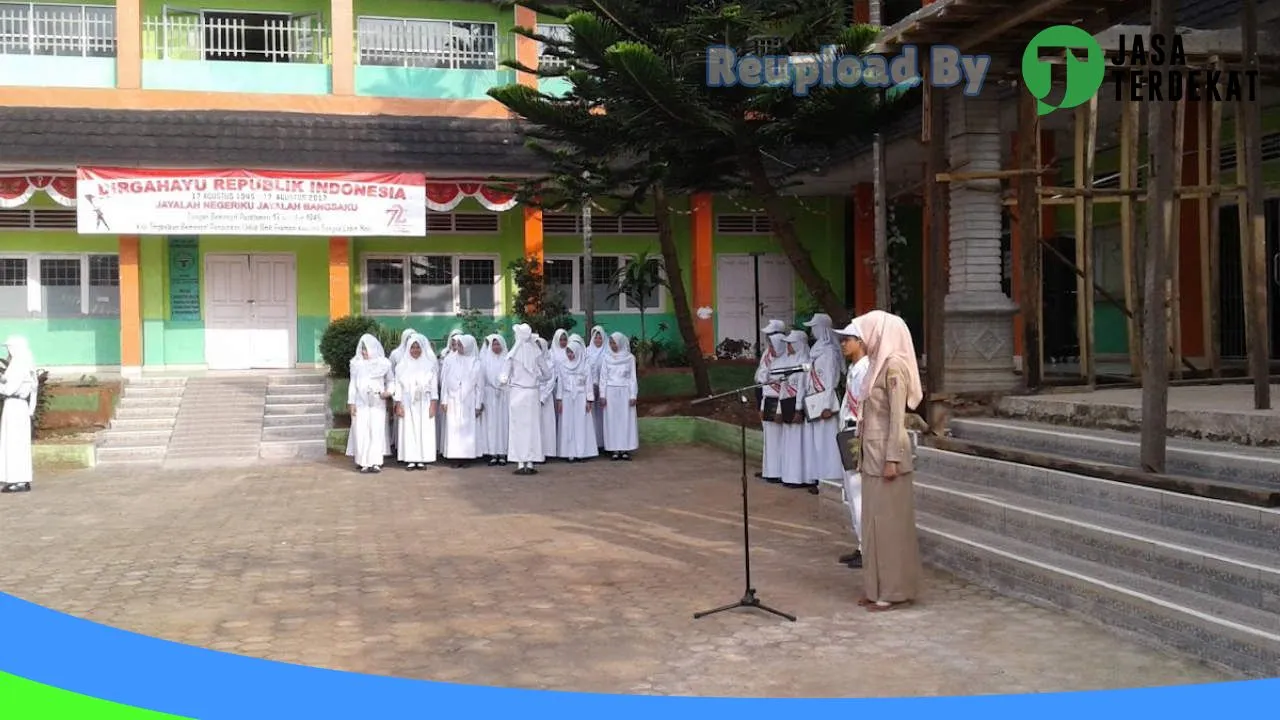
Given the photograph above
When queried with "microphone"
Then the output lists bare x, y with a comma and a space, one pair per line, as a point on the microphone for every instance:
806, 367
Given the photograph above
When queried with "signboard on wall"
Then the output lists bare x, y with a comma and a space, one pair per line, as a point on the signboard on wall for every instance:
128, 201
184, 279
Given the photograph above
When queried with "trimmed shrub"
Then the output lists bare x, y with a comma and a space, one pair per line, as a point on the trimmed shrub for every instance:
339, 341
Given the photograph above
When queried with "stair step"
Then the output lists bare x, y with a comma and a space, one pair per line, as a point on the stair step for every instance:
297, 420
1151, 610
155, 382
147, 412
134, 401
294, 432
212, 456
133, 438
126, 424
153, 391
126, 453
296, 398
1245, 576
1224, 521
286, 410
300, 379
296, 389
277, 450
1192, 458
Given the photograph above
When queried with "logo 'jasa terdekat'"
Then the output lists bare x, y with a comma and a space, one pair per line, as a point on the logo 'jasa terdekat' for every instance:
1156, 68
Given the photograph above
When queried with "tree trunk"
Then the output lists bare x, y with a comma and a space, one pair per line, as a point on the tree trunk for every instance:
765, 192
679, 298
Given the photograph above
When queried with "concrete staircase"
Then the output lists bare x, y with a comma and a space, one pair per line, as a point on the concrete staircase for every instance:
143, 423
219, 421
1191, 573
295, 418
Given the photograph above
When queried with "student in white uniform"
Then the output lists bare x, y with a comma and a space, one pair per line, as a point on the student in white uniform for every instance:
393, 422
550, 422
19, 388
523, 373
416, 394
575, 397
450, 343
367, 393
790, 419
823, 459
597, 349
461, 400
618, 391
855, 350
493, 421
774, 347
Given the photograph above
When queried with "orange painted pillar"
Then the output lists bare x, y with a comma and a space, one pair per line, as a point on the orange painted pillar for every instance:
130, 303
1190, 294
864, 248
343, 24
533, 244
339, 277
703, 276
128, 44
526, 48
862, 11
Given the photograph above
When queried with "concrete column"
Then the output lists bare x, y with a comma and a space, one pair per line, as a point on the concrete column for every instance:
979, 328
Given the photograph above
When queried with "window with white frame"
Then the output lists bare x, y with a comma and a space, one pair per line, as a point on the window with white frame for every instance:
429, 284
58, 30
443, 44
60, 286
556, 32
569, 275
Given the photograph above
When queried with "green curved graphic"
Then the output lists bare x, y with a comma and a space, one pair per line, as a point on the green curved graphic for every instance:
1084, 76
22, 699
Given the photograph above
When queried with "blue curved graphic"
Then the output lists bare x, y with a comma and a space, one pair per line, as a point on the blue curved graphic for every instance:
97, 661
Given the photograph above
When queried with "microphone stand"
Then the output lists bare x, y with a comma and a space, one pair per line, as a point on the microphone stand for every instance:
749, 599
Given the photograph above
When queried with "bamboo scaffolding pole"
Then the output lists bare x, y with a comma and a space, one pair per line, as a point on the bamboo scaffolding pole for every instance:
1028, 209
1086, 131
1211, 234
1173, 222
937, 280
1131, 115
1253, 233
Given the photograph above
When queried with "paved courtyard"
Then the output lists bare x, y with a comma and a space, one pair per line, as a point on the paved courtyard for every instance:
581, 578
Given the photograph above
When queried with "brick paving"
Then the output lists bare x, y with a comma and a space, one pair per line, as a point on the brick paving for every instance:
581, 578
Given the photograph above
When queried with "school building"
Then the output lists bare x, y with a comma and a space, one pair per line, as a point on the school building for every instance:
134, 235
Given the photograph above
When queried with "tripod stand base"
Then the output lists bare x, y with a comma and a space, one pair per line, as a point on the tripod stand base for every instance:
749, 600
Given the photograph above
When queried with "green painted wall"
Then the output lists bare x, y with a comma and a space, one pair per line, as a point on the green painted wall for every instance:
71, 341
169, 342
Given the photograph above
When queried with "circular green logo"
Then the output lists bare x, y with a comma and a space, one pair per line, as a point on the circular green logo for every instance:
1084, 75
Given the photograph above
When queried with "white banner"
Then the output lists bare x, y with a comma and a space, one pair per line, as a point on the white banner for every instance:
125, 201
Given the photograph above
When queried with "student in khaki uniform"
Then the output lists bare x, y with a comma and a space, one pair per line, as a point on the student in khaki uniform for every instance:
890, 548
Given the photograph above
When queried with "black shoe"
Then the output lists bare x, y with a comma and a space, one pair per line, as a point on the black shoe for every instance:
363, 470
16, 487
813, 490
375, 469
531, 471
626, 456
493, 461
773, 481
847, 558
459, 465
502, 462
855, 564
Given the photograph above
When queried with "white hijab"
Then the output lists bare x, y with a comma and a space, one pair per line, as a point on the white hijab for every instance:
493, 362
576, 365
825, 339
375, 367
421, 369
403, 347
594, 354
623, 354
526, 352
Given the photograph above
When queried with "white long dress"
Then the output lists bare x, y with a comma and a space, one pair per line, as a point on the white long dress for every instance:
550, 421
523, 374
849, 414
494, 418
416, 390
619, 387
595, 357
441, 446
575, 391
461, 380
771, 460
19, 387
370, 378
393, 422
822, 461
791, 436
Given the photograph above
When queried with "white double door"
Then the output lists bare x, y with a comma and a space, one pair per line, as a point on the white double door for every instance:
751, 290
251, 311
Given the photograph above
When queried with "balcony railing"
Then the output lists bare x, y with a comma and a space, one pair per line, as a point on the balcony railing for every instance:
429, 44
236, 39
57, 30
